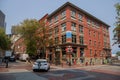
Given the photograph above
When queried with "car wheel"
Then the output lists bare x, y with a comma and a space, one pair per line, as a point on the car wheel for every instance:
34, 70
47, 69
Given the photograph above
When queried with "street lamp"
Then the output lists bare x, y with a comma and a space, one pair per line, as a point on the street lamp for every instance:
69, 50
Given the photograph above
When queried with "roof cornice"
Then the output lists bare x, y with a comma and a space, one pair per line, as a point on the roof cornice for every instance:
83, 11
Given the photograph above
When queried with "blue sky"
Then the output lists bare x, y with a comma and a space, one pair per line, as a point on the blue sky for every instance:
18, 10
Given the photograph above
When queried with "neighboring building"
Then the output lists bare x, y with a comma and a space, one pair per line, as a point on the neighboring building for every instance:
2, 20
18, 45
87, 36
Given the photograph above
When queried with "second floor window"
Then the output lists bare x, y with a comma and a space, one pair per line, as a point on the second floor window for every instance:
63, 38
56, 40
81, 40
63, 26
73, 26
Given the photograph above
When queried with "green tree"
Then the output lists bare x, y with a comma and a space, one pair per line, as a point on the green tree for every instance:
28, 30
36, 36
117, 24
118, 53
4, 40
44, 41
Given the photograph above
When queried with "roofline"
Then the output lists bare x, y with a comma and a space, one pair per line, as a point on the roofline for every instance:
74, 6
43, 17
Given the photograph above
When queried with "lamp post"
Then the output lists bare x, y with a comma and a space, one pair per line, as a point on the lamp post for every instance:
69, 50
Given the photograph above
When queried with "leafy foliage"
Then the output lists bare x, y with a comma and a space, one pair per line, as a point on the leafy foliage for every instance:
118, 53
117, 24
36, 36
28, 30
4, 40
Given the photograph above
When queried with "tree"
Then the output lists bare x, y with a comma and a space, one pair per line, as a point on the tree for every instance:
28, 30
43, 39
118, 53
4, 40
117, 24
36, 36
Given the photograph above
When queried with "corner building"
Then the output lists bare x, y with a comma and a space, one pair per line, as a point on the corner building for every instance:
85, 34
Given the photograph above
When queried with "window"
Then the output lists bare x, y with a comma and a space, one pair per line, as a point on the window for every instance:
81, 40
56, 30
80, 29
63, 14
88, 22
94, 43
73, 38
89, 32
73, 26
63, 26
90, 52
56, 18
56, 40
50, 21
97, 25
90, 42
63, 38
73, 13
80, 17
50, 32
93, 24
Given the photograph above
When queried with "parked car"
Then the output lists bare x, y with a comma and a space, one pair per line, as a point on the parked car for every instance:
41, 64
12, 58
23, 57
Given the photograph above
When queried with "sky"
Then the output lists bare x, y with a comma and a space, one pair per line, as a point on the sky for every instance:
18, 10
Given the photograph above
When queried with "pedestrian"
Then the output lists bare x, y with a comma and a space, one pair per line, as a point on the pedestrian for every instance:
6, 61
90, 61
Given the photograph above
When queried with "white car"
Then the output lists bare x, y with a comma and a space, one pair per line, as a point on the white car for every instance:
41, 64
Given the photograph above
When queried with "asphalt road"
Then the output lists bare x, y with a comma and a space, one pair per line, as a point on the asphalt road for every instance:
22, 71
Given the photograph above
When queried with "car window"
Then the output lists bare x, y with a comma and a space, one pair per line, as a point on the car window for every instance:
41, 61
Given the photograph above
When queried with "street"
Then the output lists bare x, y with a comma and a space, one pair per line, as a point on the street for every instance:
23, 71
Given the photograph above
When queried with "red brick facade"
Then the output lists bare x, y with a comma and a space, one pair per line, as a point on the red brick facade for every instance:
19, 46
89, 36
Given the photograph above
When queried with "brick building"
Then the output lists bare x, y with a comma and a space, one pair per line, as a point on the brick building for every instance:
87, 36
